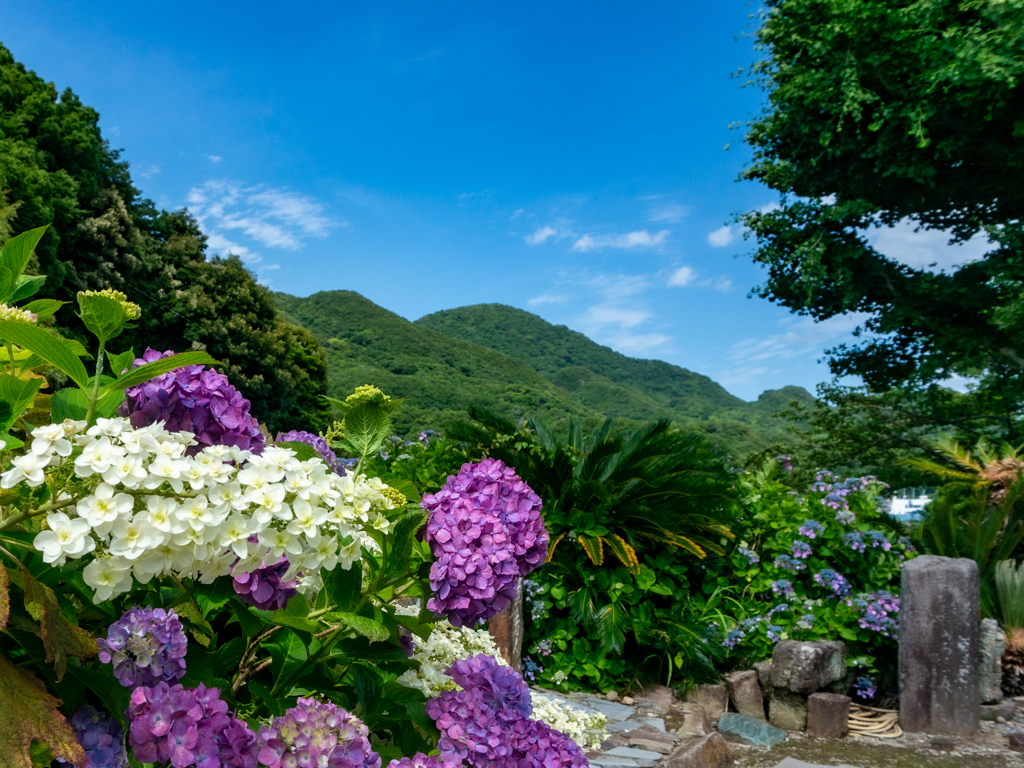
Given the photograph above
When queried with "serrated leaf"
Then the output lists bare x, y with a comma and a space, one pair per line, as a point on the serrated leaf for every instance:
399, 543
10, 443
61, 638
18, 394
408, 489
6, 284
25, 286
57, 352
367, 426
30, 713
18, 250
121, 363
251, 624
70, 403
211, 597
288, 654
374, 631
44, 308
298, 623
302, 451
343, 586
149, 371
103, 316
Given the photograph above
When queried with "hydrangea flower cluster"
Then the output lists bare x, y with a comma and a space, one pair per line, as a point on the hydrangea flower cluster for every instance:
146, 646
846, 517
487, 723
317, 443
588, 730
318, 734
18, 315
801, 550
855, 541
266, 587
154, 510
865, 688
188, 727
879, 609
733, 637
878, 539
783, 587
100, 737
836, 491
787, 563
810, 528
836, 582
425, 436
785, 462
486, 531
192, 399
751, 555
132, 311
531, 669
419, 760
775, 632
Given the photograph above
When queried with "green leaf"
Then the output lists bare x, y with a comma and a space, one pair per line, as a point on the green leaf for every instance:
149, 371
101, 681
251, 625
297, 623
25, 286
399, 543
120, 363
303, 451
343, 587
612, 622
288, 654
367, 426
18, 395
6, 284
56, 352
227, 658
60, 637
211, 597
9, 442
18, 250
408, 489
70, 403
44, 308
372, 630
103, 316
276, 705
199, 669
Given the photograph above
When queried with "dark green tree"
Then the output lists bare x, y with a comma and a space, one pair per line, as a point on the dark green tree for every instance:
57, 169
886, 111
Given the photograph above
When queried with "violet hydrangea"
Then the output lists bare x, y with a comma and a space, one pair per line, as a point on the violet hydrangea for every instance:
265, 587
318, 734
172, 725
810, 528
419, 760
192, 399
100, 737
486, 531
835, 581
801, 550
146, 646
318, 444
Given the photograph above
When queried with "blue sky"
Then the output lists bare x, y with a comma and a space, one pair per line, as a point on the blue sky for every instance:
565, 158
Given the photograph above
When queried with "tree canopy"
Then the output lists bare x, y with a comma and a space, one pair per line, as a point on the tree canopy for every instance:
56, 168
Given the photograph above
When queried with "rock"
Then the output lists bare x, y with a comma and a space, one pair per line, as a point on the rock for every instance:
792, 762
714, 699
655, 742
628, 701
612, 695
943, 744
611, 710
697, 723
940, 607
764, 677
749, 730
788, 711
1004, 709
828, 715
808, 666
1016, 741
623, 726
745, 693
658, 723
709, 751
656, 696
1001, 720
992, 642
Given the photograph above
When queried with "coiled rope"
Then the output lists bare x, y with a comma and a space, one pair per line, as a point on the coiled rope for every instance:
877, 723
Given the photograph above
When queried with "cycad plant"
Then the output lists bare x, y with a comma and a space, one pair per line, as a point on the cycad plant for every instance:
1009, 578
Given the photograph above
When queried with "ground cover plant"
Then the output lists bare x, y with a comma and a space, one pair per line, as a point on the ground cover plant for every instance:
177, 588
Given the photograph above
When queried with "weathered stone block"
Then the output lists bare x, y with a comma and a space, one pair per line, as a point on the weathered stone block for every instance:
764, 677
507, 630
940, 606
828, 715
992, 642
697, 723
1016, 742
714, 699
709, 751
745, 693
806, 667
788, 710
749, 730
1004, 709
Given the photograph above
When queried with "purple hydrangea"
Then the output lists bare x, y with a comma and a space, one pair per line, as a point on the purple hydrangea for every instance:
908, 545
318, 444
787, 563
188, 727
774, 632
100, 737
878, 539
419, 760
846, 517
486, 531
265, 588
425, 436
783, 587
810, 528
146, 646
733, 637
855, 541
836, 582
865, 688
785, 462
316, 733
487, 723
801, 550
751, 555
879, 611
192, 399
836, 491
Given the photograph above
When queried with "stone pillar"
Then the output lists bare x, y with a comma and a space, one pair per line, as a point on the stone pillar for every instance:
507, 630
990, 664
940, 610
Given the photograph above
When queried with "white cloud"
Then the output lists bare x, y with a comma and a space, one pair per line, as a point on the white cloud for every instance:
606, 314
927, 249
618, 287
722, 236
639, 239
149, 171
215, 158
548, 298
669, 213
516, 214
723, 284
541, 235
682, 277
274, 218
219, 244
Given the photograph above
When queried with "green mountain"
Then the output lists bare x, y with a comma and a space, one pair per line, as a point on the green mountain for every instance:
517, 364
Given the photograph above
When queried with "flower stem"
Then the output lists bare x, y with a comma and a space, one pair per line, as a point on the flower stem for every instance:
96, 386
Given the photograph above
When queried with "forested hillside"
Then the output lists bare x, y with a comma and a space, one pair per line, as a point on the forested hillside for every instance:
517, 364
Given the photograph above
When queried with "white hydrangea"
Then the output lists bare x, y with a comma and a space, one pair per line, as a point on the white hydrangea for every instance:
448, 644
152, 510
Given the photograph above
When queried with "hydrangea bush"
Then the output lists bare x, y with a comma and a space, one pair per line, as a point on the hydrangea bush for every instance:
822, 564
201, 596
